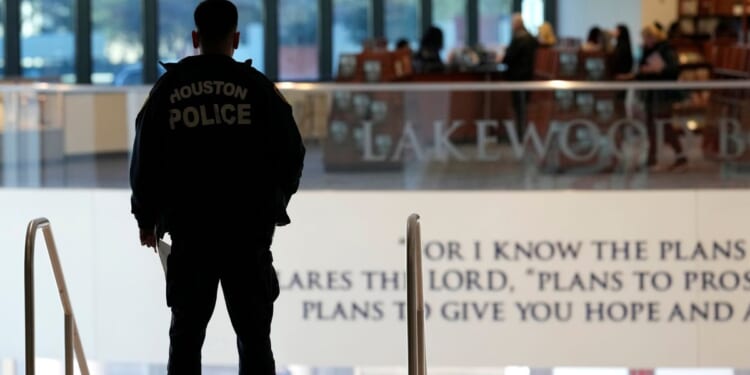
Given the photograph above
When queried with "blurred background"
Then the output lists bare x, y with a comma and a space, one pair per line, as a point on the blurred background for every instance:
407, 106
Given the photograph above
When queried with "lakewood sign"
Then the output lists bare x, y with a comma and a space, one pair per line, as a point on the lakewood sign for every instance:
578, 140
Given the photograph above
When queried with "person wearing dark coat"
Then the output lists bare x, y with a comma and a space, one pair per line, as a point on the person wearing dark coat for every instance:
217, 156
659, 63
622, 56
427, 58
621, 59
594, 40
519, 62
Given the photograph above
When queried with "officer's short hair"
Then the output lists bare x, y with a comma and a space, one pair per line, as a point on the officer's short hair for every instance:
215, 19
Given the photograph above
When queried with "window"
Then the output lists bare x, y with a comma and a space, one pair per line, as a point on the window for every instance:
450, 16
252, 36
175, 27
351, 27
298, 40
116, 42
47, 40
533, 14
495, 23
402, 21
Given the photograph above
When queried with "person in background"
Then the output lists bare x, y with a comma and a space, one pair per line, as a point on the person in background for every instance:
427, 58
594, 41
519, 62
659, 63
546, 35
656, 27
405, 63
622, 61
403, 43
622, 56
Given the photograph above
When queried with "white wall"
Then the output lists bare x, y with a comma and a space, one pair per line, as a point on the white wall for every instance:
117, 287
576, 17
664, 11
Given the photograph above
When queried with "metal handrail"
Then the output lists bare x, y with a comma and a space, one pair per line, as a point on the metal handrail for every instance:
507, 86
72, 338
415, 297
328, 87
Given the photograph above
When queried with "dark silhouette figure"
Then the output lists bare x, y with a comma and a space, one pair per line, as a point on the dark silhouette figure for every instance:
660, 63
519, 61
594, 40
402, 44
622, 56
622, 61
427, 58
217, 157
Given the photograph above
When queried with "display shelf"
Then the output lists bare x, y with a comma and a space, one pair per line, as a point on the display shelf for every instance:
700, 18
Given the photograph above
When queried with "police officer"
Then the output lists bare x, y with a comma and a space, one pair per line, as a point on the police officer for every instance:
217, 157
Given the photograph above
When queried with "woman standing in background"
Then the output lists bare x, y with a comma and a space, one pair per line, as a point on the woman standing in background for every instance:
621, 63
594, 40
546, 35
622, 57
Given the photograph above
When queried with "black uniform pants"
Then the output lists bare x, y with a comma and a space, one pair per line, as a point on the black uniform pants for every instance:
198, 263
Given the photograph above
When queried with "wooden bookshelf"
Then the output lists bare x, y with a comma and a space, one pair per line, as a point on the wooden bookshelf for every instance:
699, 18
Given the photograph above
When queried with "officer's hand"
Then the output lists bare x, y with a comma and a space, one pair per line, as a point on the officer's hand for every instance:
148, 238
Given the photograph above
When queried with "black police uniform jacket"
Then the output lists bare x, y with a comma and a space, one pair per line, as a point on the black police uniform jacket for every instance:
215, 144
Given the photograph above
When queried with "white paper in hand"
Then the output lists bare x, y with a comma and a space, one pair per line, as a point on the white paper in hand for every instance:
163, 249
